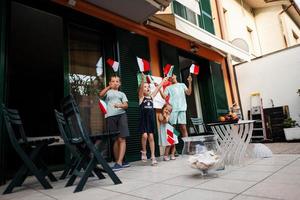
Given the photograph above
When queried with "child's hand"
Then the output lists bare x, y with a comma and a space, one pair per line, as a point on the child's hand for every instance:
165, 79
190, 79
118, 105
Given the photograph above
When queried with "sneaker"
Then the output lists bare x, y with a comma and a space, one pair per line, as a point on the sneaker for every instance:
116, 167
125, 164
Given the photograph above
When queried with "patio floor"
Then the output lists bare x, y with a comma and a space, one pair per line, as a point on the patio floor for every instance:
270, 178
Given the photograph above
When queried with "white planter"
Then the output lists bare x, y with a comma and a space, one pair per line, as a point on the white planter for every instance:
292, 133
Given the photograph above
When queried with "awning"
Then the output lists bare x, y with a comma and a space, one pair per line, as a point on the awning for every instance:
135, 10
196, 34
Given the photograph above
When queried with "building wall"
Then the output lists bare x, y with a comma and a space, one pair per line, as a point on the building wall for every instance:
270, 29
291, 30
239, 18
281, 86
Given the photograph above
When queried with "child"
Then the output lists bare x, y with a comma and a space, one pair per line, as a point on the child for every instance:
116, 119
164, 118
146, 125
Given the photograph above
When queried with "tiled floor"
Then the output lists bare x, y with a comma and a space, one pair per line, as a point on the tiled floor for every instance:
270, 178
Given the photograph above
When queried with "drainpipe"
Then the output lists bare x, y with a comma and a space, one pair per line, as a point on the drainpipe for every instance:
282, 25
224, 33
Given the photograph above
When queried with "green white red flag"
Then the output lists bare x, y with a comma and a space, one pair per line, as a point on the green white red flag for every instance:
102, 106
113, 64
194, 69
143, 64
172, 134
168, 70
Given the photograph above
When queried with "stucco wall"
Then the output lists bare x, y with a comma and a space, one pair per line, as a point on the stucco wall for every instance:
275, 76
290, 27
270, 29
238, 17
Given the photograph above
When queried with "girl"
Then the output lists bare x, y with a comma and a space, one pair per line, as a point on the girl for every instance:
164, 118
146, 125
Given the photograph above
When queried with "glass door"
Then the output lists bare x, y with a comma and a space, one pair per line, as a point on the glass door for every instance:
86, 79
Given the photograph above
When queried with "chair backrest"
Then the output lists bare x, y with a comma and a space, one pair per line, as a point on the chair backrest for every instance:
198, 125
70, 110
14, 127
64, 131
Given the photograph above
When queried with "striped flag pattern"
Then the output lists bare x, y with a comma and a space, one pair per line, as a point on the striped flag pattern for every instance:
143, 64
168, 70
113, 64
194, 69
102, 106
172, 134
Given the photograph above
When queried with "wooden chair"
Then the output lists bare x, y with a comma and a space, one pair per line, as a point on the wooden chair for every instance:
29, 152
80, 138
200, 127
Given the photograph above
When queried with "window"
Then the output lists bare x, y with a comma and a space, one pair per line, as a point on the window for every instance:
85, 49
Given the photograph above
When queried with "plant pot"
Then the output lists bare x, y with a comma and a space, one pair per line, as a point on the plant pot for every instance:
292, 133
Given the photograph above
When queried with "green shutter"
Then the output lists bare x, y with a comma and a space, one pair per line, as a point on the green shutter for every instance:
221, 104
206, 16
130, 46
3, 138
212, 92
169, 55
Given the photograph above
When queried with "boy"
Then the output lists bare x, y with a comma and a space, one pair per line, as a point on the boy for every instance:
116, 119
177, 92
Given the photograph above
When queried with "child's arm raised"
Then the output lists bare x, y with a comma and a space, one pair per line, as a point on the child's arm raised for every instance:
141, 90
157, 89
103, 92
189, 90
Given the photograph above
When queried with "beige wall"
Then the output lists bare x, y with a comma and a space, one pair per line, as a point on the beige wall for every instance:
270, 29
291, 30
239, 19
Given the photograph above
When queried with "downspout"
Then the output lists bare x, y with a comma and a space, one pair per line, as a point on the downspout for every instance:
282, 26
224, 33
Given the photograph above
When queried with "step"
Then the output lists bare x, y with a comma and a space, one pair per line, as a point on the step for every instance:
257, 137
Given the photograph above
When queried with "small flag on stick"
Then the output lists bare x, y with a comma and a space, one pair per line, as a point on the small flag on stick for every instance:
143, 64
171, 134
194, 69
99, 67
149, 79
113, 64
168, 70
102, 106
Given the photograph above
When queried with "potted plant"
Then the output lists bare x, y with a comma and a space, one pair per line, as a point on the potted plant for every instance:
291, 129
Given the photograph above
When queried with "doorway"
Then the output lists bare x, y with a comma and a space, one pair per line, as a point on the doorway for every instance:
35, 74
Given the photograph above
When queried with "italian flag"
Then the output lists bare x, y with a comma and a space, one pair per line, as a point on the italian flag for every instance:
102, 106
113, 64
143, 64
194, 69
168, 70
172, 134
149, 79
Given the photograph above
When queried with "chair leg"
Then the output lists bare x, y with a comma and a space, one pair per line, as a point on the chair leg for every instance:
107, 168
69, 168
98, 173
75, 172
47, 171
17, 180
86, 175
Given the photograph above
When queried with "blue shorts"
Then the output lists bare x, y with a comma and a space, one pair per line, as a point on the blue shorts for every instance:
178, 117
118, 123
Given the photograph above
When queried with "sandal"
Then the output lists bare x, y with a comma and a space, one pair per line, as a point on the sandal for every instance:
173, 158
144, 156
166, 158
154, 161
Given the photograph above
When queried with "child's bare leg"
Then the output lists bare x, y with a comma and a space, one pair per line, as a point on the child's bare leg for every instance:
144, 141
173, 149
166, 154
116, 149
122, 149
152, 145
183, 130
